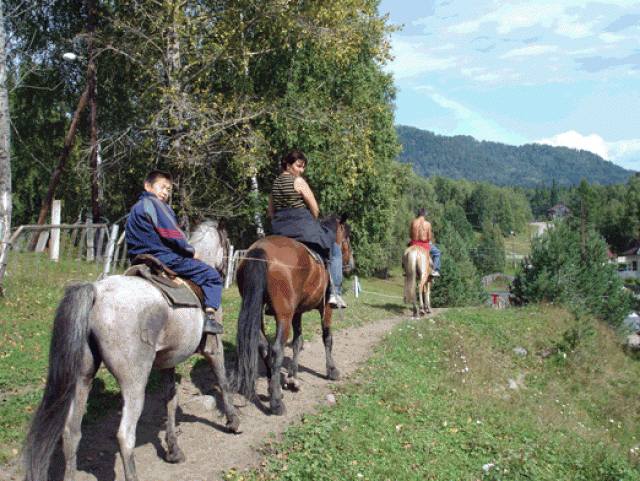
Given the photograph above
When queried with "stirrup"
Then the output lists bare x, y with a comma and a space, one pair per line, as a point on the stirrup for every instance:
211, 324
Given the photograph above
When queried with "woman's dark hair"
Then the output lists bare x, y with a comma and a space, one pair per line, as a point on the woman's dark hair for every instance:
421, 212
291, 158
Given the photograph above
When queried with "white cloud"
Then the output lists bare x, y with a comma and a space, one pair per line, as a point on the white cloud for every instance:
533, 50
593, 143
570, 28
610, 38
511, 17
410, 59
468, 121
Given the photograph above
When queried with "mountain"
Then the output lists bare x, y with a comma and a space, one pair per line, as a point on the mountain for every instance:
464, 157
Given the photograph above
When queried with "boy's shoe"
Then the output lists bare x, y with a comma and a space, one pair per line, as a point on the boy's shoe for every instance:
213, 322
435, 274
336, 301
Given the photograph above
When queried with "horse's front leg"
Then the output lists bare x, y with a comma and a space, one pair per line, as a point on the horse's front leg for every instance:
216, 362
174, 454
275, 361
327, 339
292, 382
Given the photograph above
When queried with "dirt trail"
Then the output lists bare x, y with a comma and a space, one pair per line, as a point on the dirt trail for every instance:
208, 448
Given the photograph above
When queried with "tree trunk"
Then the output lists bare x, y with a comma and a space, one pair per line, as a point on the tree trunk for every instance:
61, 161
93, 120
5, 159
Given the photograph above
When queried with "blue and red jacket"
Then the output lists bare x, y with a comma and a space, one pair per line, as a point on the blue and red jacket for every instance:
152, 228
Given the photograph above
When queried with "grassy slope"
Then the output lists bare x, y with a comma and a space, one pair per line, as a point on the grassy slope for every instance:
450, 399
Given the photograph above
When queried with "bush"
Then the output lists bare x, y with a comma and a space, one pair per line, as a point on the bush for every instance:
559, 271
459, 284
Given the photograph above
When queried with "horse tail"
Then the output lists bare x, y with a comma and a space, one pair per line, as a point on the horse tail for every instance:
254, 289
68, 338
410, 276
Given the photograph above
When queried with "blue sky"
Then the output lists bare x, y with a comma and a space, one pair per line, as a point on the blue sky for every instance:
561, 72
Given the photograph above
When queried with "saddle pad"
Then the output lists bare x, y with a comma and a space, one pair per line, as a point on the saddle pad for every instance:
177, 294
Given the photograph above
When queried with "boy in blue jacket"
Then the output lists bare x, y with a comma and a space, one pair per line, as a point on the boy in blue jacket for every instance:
152, 229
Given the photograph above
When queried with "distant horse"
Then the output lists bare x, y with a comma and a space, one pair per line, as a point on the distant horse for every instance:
416, 261
125, 323
281, 273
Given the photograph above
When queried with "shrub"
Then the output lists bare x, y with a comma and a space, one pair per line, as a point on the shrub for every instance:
558, 270
459, 284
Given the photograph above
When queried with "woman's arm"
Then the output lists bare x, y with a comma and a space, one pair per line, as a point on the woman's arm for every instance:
301, 186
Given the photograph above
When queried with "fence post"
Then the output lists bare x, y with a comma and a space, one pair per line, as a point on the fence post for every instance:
110, 250
90, 238
356, 286
54, 246
230, 264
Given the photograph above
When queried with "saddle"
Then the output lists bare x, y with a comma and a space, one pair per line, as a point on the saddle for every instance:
177, 291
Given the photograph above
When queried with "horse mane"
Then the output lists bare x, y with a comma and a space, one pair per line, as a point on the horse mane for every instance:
331, 221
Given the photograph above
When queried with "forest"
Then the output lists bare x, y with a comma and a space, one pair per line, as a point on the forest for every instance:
523, 166
218, 92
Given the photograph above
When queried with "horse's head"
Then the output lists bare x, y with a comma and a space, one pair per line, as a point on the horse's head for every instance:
343, 239
210, 240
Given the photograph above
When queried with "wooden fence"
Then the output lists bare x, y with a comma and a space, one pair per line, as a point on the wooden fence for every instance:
95, 244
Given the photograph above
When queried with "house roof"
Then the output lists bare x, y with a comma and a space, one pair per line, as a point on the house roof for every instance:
558, 207
634, 251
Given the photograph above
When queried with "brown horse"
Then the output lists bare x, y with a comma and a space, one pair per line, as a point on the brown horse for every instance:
281, 273
416, 262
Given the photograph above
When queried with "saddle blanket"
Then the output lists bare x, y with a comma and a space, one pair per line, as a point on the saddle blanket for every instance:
177, 293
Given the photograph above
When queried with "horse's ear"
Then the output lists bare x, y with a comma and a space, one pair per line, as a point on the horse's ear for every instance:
343, 218
222, 223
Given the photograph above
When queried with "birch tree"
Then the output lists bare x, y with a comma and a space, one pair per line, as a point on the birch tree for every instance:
5, 158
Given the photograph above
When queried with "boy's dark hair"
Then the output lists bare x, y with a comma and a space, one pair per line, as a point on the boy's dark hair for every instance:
292, 157
421, 212
152, 177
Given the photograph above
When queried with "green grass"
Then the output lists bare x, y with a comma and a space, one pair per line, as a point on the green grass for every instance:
436, 403
34, 286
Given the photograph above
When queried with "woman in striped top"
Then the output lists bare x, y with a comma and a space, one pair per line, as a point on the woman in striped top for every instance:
294, 212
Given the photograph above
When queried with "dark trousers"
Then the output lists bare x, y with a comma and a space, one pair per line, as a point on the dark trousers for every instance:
201, 274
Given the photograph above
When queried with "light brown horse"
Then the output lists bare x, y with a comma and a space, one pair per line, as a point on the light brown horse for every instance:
281, 273
417, 262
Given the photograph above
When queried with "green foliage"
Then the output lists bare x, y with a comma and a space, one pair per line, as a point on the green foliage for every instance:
500, 164
489, 257
460, 283
454, 214
559, 270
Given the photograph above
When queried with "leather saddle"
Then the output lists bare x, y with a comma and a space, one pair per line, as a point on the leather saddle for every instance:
179, 292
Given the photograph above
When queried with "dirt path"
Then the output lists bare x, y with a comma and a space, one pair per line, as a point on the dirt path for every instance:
208, 448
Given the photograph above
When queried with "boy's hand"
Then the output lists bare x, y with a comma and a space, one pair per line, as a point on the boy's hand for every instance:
196, 256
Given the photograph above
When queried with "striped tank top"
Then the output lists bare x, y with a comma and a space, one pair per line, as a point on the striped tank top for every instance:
284, 196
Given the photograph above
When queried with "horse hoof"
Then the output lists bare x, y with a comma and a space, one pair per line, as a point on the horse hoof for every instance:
175, 456
292, 384
278, 410
233, 424
333, 374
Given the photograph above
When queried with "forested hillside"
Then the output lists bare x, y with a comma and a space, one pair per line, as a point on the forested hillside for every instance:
463, 157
